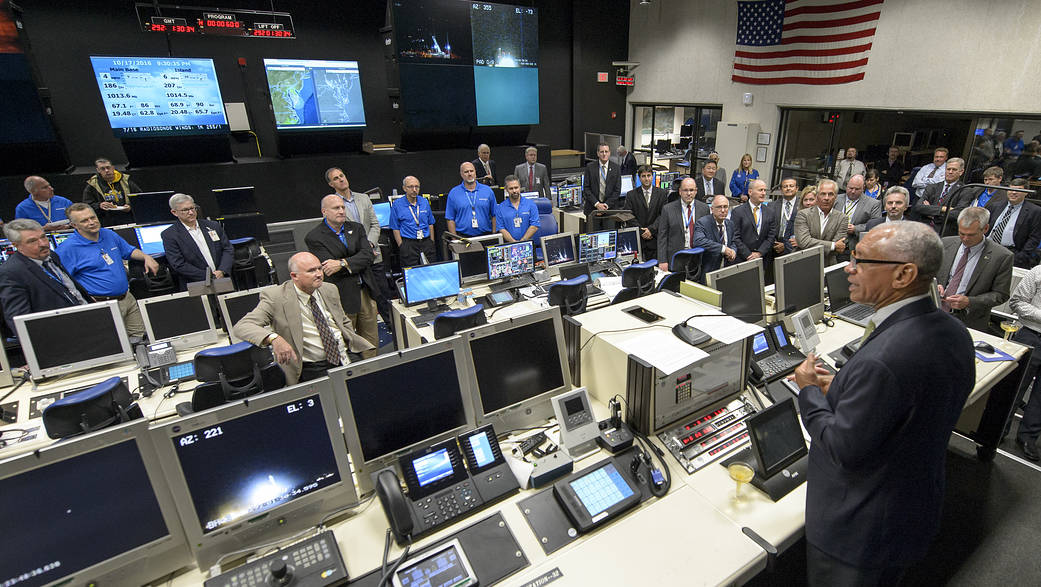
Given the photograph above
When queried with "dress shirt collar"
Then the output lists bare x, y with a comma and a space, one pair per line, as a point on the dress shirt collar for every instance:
881, 314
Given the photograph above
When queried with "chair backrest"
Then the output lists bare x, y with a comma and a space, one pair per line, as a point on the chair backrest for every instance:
626, 295
238, 368
448, 323
570, 295
640, 276
671, 282
688, 262
547, 223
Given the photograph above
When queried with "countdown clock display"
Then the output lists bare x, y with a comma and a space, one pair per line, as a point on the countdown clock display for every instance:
215, 22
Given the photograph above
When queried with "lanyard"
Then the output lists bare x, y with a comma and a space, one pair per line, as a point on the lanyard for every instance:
472, 196
45, 211
415, 214
687, 217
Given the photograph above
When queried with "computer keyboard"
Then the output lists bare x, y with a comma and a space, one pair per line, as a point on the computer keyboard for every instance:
857, 312
522, 280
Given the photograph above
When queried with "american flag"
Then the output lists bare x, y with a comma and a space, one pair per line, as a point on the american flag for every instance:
804, 41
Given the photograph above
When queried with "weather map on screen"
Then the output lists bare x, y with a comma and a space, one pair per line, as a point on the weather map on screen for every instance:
315, 94
160, 96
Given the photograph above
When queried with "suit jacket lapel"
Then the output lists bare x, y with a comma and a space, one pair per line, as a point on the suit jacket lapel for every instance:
981, 264
38, 272
291, 308
908, 311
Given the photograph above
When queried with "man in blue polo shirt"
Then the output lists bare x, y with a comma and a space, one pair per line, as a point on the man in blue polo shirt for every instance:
412, 221
94, 256
518, 217
42, 205
471, 205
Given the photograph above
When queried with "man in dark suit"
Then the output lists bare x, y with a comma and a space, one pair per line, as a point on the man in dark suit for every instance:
717, 235
346, 256
976, 272
626, 161
879, 429
756, 225
891, 168
710, 186
533, 176
646, 202
485, 166
194, 246
1016, 224
33, 279
895, 202
939, 197
602, 188
785, 210
676, 223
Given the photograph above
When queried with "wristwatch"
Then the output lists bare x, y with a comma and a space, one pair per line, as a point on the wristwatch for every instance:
269, 339
343, 263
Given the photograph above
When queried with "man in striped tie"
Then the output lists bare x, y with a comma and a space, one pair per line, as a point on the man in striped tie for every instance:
756, 224
976, 272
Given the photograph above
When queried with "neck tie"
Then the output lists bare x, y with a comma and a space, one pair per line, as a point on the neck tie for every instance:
956, 277
932, 173
787, 210
867, 331
850, 205
722, 235
999, 229
708, 187
690, 228
531, 176
60, 275
849, 173
603, 182
755, 217
943, 194
332, 351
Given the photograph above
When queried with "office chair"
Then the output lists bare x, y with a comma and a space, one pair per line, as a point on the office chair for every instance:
251, 268
637, 280
106, 404
231, 373
570, 295
671, 282
448, 323
688, 263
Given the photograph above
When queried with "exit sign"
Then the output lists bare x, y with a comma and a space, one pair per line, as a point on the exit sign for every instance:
624, 80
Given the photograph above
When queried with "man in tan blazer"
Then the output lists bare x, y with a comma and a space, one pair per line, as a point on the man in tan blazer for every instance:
808, 231
303, 323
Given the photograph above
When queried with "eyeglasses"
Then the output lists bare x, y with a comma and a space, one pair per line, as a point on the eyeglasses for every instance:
187, 210
854, 261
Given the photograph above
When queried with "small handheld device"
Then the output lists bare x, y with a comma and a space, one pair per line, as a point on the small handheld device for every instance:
804, 329
155, 355
500, 298
594, 496
443, 565
643, 314
578, 427
488, 468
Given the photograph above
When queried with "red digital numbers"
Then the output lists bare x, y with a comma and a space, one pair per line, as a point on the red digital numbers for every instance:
224, 24
267, 33
157, 28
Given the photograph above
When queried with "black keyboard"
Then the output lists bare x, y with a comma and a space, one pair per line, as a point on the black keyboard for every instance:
856, 312
523, 280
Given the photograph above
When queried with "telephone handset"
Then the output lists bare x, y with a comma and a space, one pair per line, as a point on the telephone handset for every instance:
399, 515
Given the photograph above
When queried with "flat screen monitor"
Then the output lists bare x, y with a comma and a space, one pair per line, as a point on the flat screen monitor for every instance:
429, 283
6, 378
800, 283
398, 402
515, 393
557, 250
902, 140
160, 96
6, 249
235, 305
741, 287
569, 196
314, 94
382, 210
71, 339
245, 225
628, 244
58, 238
150, 239
249, 472
511, 259
597, 246
184, 320
151, 207
94, 510
627, 184
128, 233
240, 200
473, 265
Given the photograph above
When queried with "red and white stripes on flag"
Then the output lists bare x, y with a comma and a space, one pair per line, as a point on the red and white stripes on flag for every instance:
816, 42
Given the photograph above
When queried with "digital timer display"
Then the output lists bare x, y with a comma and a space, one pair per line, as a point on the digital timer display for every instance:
171, 19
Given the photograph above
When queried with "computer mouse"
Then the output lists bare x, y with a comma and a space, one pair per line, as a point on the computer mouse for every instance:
984, 347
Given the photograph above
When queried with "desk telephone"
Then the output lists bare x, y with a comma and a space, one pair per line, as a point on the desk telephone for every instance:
773, 355
440, 488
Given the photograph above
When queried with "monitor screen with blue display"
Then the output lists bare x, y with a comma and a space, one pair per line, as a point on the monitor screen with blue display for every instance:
601, 489
312, 94
149, 239
780, 336
382, 210
627, 184
760, 344
482, 449
424, 283
432, 467
160, 96
510, 259
597, 246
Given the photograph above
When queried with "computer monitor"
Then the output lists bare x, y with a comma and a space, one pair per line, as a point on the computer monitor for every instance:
6, 249
93, 510
628, 244
58, 238
240, 200
627, 184
382, 210
800, 283
558, 249
149, 238
569, 196
597, 246
256, 470
245, 225
511, 259
531, 195
902, 140
398, 402
235, 305
432, 282
128, 233
56, 342
513, 392
6, 378
741, 287
184, 320
473, 265
149, 207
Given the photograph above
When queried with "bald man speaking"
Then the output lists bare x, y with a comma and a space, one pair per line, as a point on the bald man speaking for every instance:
303, 322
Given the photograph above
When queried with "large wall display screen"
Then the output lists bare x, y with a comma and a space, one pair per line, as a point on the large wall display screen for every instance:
160, 96
315, 94
466, 63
